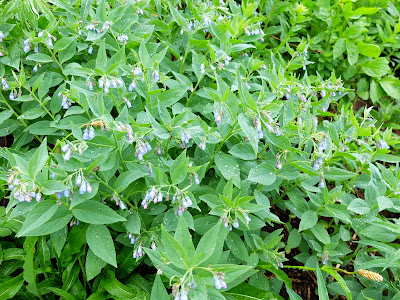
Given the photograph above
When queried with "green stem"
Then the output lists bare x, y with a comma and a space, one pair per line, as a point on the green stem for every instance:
194, 90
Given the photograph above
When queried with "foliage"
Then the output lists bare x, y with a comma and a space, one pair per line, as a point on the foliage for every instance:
182, 149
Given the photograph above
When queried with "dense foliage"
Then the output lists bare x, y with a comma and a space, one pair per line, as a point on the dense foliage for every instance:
199, 149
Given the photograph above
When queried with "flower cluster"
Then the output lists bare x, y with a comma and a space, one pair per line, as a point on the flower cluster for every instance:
84, 185
229, 222
5, 84
65, 103
27, 46
257, 124
64, 193
89, 83
2, 36
92, 27
88, 134
132, 85
122, 38
219, 281
67, 151
218, 114
156, 76
383, 145
185, 137
137, 71
138, 252
23, 191
183, 201
110, 83
152, 195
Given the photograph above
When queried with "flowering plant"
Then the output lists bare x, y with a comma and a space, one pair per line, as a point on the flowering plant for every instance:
172, 148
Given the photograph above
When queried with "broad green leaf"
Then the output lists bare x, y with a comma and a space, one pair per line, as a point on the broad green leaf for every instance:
391, 86
308, 220
128, 177
93, 265
9, 288
249, 131
94, 212
101, 60
174, 251
116, 288
228, 167
101, 243
133, 223
39, 58
352, 52
376, 68
263, 174
38, 159
40, 214
158, 291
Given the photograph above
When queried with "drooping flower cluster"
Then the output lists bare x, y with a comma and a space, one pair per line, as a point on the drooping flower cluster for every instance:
219, 281
218, 114
183, 201
2, 36
65, 103
67, 151
5, 84
122, 38
185, 137
23, 191
156, 76
88, 134
138, 252
64, 193
382, 144
106, 83
257, 124
152, 195
141, 149
84, 185
27, 45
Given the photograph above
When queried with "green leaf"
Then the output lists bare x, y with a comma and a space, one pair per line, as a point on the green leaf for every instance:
158, 291
249, 131
237, 247
29, 269
38, 159
376, 68
368, 49
339, 48
93, 265
334, 173
340, 280
100, 242
40, 214
179, 168
243, 151
263, 174
94, 212
116, 288
308, 220
321, 234
359, 206
352, 52
322, 290
128, 177
64, 294
39, 58
101, 60
228, 167
9, 288
391, 86
174, 251
63, 43
207, 244
133, 223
